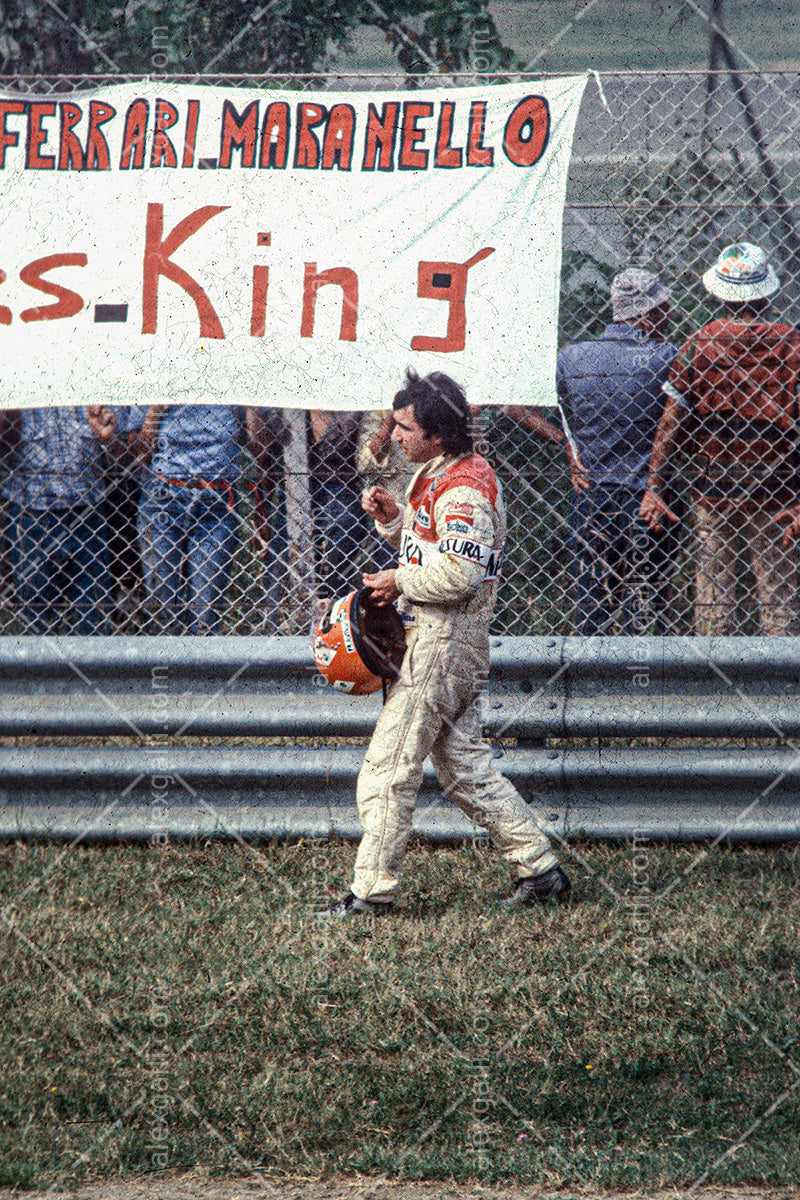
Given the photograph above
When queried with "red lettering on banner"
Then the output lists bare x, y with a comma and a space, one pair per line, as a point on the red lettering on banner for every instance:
447, 156
478, 155
70, 151
275, 136
339, 133
8, 137
447, 281
347, 280
527, 131
134, 136
97, 156
35, 161
412, 159
381, 132
307, 152
68, 303
163, 152
5, 313
258, 317
238, 132
157, 253
190, 137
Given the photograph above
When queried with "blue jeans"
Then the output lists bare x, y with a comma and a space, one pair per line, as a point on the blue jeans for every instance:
339, 530
59, 562
621, 567
187, 537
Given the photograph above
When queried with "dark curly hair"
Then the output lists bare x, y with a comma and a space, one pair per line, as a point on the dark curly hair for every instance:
440, 408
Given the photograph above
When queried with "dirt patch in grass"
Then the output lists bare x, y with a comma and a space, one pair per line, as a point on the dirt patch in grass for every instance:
195, 1186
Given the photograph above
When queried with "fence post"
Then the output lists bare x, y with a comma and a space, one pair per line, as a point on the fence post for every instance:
298, 521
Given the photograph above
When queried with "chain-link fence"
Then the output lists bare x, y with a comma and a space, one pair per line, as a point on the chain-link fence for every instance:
230, 520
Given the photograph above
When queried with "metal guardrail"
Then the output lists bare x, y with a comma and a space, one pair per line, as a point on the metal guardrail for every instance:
548, 694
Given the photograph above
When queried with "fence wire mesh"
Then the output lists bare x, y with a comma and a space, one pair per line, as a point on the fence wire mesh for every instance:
232, 520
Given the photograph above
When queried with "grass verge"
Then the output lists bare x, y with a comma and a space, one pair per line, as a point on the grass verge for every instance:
167, 1008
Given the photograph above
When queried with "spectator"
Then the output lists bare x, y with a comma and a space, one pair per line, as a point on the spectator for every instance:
381, 462
122, 496
188, 524
613, 387
339, 520
732, 404
532, 420
55, 485
9, 438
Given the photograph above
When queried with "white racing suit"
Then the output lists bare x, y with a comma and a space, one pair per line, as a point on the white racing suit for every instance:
450, 539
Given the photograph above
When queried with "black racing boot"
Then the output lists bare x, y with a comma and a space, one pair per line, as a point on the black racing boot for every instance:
540, 889
352, 906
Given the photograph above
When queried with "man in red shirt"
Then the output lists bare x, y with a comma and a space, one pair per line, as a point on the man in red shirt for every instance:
732, 405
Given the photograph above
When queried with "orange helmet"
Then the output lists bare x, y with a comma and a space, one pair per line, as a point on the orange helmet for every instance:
357, 643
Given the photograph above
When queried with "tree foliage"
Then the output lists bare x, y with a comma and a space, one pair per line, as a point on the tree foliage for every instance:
257, 37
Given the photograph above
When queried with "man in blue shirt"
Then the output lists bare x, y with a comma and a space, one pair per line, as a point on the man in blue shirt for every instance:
188, 524
612, 387
54, 489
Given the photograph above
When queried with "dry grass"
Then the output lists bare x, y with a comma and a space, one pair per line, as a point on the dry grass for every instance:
166, 1009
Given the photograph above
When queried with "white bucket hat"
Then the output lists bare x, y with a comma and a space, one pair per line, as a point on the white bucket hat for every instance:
742, 272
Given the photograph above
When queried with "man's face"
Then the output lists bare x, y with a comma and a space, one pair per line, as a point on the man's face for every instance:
417, 445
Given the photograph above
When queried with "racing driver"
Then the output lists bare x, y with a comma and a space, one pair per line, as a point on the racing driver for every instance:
450, 540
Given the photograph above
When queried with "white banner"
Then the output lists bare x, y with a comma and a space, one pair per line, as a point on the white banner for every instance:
222, 245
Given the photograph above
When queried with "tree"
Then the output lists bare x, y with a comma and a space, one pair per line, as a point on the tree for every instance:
260, 37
